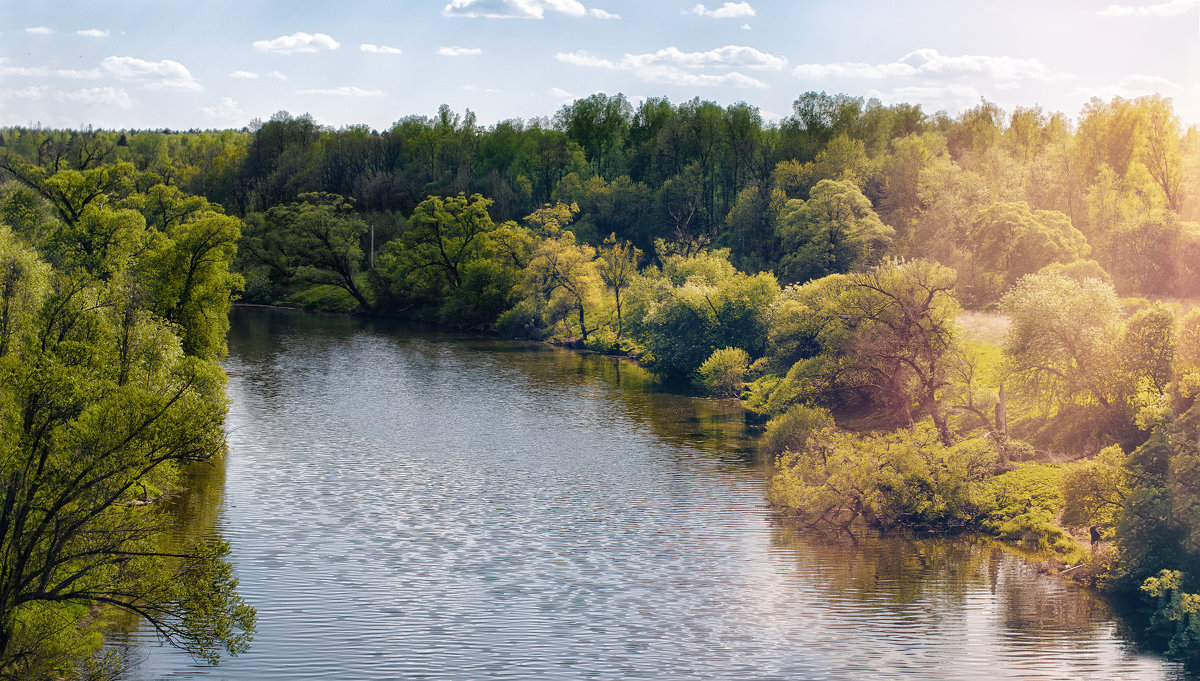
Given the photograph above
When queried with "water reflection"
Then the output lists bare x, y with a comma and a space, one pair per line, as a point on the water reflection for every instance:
411, 504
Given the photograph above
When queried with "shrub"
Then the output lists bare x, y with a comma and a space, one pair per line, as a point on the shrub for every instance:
724, 372
791, 429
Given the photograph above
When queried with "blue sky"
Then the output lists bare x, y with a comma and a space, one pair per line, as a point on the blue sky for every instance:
221, 63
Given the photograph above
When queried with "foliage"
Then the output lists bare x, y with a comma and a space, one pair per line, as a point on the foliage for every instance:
835, 231
907, 477
724, 372
699, 304
108, 387
790, 430
883, 334
1022, 504
1176, 616
1094, 489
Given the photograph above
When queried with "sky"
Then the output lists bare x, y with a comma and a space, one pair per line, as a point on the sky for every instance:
215, 64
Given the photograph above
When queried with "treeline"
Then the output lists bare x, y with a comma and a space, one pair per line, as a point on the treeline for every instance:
816, 267
1112, 186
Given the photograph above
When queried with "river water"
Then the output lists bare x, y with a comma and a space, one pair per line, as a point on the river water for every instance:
412, 504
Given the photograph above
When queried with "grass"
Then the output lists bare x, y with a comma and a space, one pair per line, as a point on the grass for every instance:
983, 327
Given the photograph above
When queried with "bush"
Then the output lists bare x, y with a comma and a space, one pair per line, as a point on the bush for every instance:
604, 341
1176, 617
1022, 504
724, 372
791, 429
523, 320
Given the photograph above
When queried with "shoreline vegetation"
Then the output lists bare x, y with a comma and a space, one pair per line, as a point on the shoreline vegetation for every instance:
982, 322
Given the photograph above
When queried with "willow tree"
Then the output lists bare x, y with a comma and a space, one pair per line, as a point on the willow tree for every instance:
103, 401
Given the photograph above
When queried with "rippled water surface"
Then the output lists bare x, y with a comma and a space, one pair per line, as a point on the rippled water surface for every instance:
407, 504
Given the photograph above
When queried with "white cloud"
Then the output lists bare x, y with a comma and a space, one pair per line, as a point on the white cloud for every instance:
244, 75
459, 51
43, 72
298, 43
929, 63
154, 75
344, 91
91, 96
226, 110
729, 10
520, 9
1132, 86
277, 75
34, 92
560, 95
745, 27
672, 58
100, 95
1172, 8
674, 67
92, 33
379, 49
950, 97
39, 30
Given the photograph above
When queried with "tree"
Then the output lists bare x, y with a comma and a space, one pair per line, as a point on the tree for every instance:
699, 303
1008, 241
99, 405
320, 236
1062, 352
834, 231
618, 266
902, 316
565, 275
446, 233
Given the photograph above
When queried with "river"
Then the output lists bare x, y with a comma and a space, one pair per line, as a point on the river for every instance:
414, 504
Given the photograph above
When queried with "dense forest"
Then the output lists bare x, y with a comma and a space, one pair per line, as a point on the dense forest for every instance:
983, 321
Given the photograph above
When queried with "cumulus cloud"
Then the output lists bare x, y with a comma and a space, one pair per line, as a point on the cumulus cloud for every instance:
154, 75
561, 95
225, 110
7, 71
244, 75
39, 30
92, 33
729, 10
520, 9
929, 63
379, 49
935, 97
673, 57
1172, 8
298, 43
1133, 85
100, 96
344, 91
277, 75
673, 66
459, 51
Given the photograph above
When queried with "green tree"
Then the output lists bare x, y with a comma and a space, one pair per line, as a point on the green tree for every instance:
565, 275
320, 236
99, 403
1009, 241
835, 230
1061, 345
699, 304
618, 266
